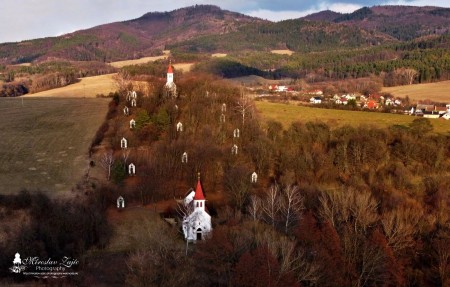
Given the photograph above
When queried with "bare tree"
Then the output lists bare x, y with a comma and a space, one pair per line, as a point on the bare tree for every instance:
291, 204
244, 106
410, 75
254, 207
125, 155
400, 227
107, 161
271, 205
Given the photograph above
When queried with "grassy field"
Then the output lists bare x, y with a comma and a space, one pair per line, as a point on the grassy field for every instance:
87, 88
218, 55
144, 60
282, 52
45, 141
438, 92
286, 114
184, 67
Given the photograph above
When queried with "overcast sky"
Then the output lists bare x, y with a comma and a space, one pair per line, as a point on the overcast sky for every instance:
30, 19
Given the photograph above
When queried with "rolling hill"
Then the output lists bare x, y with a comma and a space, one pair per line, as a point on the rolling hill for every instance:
400, 22
207, 28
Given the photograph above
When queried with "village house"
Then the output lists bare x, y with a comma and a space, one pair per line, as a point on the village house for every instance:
315, 100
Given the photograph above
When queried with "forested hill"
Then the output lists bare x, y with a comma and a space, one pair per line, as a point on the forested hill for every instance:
143, 36
400, 22
207, 28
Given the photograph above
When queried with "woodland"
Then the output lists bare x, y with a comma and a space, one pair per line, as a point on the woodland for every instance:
332, 207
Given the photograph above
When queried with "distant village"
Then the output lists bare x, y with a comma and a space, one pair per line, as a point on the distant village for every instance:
374, 102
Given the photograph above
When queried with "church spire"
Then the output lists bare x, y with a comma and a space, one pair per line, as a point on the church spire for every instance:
199, 190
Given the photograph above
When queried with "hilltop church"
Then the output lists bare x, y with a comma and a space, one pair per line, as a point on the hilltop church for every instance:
170, 87
197, 221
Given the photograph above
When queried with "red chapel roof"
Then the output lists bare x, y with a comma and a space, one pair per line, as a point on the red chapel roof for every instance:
169, 70
199, 191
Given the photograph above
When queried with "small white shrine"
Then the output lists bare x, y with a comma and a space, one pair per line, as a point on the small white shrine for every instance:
224, 108
197, 221
120, 202
236, 133
133, 102
234, 149
184, 157
222, 118
123, 143
131, 169
179, 127
126, 111
132, 124
254, 177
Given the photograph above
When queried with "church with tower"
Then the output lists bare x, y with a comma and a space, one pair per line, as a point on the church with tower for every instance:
170, 87
197, 222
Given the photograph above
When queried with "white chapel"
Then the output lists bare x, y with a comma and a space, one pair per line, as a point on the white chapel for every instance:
171, 88
197, 221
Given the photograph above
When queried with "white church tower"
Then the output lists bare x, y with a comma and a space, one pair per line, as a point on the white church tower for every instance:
171, 88
197, 222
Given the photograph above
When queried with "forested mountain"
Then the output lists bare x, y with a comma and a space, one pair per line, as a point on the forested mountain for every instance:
206, 28
400, 22
129, 39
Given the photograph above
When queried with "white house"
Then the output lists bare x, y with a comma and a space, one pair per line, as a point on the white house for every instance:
315, 100
197, 222
446, 116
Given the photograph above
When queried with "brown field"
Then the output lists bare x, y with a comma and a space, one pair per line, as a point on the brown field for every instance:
218, 55
144, 60
437, 92
45, 142
282, 52
286, 114
184, 67
87, 88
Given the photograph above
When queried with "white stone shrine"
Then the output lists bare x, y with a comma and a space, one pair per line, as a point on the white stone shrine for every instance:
224, 108
133, 102
184, 157
222, 118
126, 111
120, 202
197, 222
179, 127
123, 143
131, 169
254, 177
236, 133
234, 149
132, 124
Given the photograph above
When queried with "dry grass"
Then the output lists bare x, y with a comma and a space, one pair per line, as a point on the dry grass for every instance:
45, 141
87, 88
184, 67
437, 92
218, 55
286, 114
144, 60
282, 52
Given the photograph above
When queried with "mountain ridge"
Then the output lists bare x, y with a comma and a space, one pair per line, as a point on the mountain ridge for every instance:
214, 29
